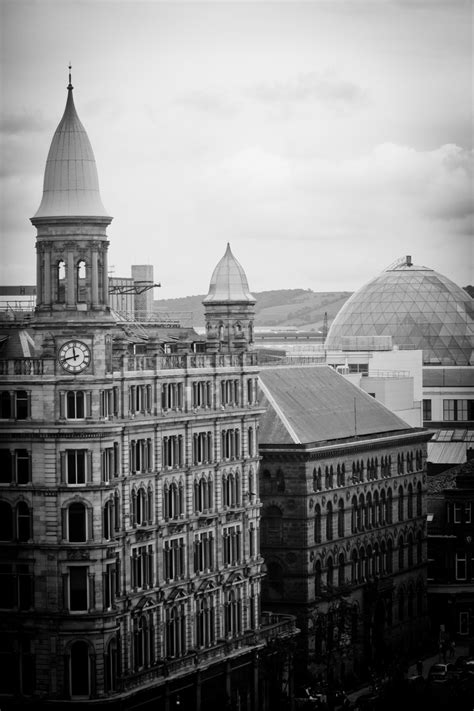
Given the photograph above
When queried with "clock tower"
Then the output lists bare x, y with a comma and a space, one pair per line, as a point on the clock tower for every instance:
71, 224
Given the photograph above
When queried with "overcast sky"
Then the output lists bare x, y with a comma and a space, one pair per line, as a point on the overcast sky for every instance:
323, 140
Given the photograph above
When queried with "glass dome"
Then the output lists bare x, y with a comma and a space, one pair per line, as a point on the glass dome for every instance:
415, 306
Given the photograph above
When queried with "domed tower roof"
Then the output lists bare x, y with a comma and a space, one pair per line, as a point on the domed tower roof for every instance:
228, 282
71, 184
418, 307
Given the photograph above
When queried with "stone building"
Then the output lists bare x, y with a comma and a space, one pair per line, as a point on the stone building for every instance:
129, 510
343, 486
451, 554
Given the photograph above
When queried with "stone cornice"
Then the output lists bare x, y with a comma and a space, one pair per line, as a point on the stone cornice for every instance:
306, 452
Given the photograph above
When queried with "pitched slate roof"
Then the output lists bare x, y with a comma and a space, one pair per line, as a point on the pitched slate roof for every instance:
316, 404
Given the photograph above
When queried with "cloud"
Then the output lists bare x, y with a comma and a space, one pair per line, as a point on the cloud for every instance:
210, 101
15, 124
323, 87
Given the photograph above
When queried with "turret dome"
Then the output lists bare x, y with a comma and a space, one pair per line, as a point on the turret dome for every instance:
71, 184
228, 282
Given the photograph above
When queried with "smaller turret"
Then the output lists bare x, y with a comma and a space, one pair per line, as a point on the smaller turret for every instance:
229, 308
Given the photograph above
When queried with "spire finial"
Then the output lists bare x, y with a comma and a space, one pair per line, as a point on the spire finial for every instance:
70, 86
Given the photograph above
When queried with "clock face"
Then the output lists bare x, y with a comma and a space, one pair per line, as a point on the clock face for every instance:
74, 356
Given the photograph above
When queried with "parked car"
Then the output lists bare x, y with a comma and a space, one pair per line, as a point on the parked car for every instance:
442, 672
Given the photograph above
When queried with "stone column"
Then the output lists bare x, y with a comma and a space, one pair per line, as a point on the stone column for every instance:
70, 280
105, 278
47, 278
94, 280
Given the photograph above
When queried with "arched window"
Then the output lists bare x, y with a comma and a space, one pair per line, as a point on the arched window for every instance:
419, 500
361, 565
419, 547
108, 520
340, 518
317, 523
410, 550
389, 516
61, 282
23, 518
389, 556
331, 477
382, 508
329, 522
368, 511
383, 558
143, 638
175, 639
330, 572
341, 577
232, 612
360, 513
368, 563
354, 515
326, 478
400, 503
315, 480
110, 666
354, 566
320, 480
205, 621
375, 509
76, 516
6, 521
81, 281
401, 553
317, 578
410, 501
80, 669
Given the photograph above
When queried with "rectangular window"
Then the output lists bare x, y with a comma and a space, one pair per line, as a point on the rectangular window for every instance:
140, 455
109, 402
76, 463
231, 545
172, 396
110, 462
204, 552
463, 623
78, 588
457, 512
141, 567
467, 513
16, 586
460, 566
202, 394
172, 451
14, 404
22, 404
427, 409
174, 558
458, 410
230, 392
6, 469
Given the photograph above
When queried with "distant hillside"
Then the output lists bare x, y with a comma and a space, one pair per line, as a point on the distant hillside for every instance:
284, 307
